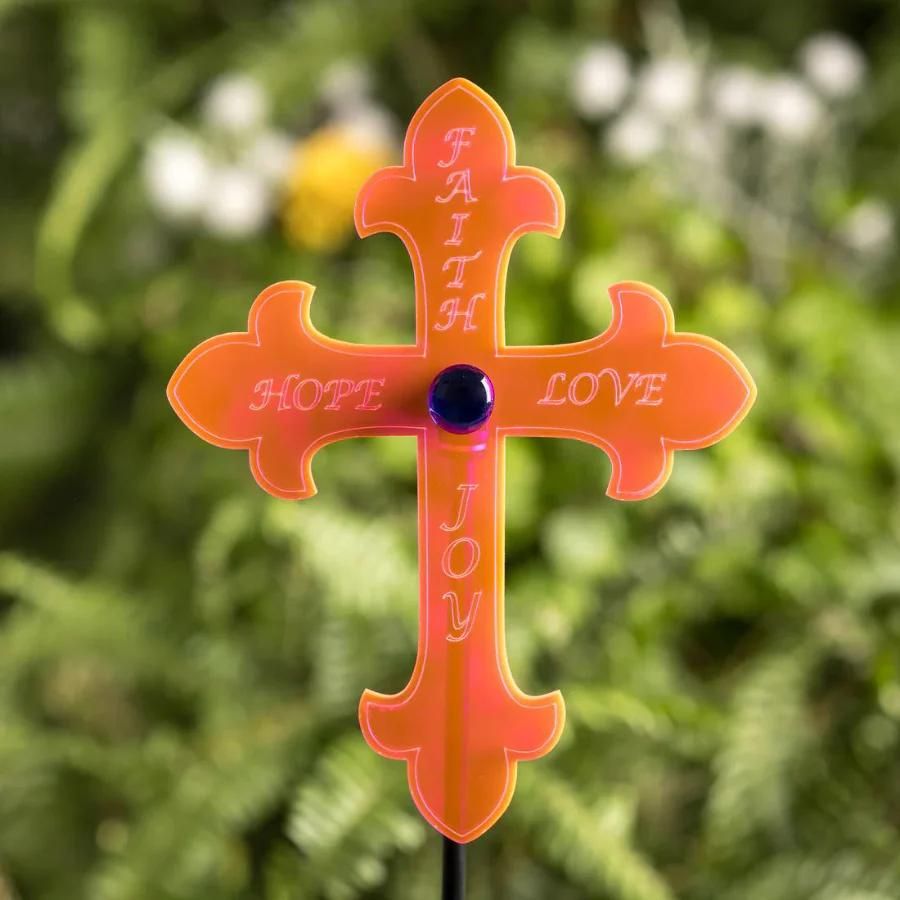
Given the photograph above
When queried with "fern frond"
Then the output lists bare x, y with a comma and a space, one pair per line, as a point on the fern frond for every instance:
576, 838
362, 563
766, 737
58, 619
839, 876
677, 721
232, 781
349, 817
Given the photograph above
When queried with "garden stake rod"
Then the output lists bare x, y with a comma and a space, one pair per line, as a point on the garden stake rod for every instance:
639, 391
453, 872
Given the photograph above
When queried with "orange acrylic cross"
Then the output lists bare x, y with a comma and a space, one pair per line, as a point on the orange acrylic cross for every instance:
639, 391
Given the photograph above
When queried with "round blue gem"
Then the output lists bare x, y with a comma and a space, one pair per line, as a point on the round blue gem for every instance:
460, 399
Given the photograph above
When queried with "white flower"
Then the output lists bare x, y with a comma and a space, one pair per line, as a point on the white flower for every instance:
271, 155
869, 228
833, 64
790, 110
669, 87
737, 94
367, 125
600, 80
176, 174
701, 140
345, 82
634, 137
236, 104
239, 202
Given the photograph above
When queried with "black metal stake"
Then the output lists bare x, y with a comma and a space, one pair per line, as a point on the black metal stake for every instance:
454, 871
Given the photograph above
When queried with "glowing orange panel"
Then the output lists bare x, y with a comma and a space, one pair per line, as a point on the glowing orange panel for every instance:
640, 391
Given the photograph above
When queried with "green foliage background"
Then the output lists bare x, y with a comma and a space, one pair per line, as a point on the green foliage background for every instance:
181, 656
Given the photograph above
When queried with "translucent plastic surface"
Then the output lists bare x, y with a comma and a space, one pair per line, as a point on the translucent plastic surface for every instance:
639, 391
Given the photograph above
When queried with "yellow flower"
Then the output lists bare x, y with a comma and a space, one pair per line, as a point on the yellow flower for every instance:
328, 170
